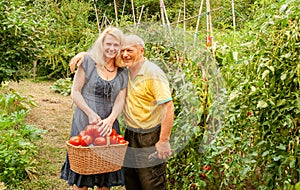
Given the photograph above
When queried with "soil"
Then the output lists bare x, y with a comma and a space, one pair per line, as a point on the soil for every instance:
54, 114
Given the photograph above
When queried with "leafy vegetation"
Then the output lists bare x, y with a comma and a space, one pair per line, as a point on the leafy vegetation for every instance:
18, 140
21, 35
244, 121
62, 86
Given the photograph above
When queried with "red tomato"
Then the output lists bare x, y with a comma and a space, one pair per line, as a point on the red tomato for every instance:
92, 130
113, 139
86, 140
100, 141
206, 168
113, 132
203, 175
75, 140
119, 136
122, 141
82, 133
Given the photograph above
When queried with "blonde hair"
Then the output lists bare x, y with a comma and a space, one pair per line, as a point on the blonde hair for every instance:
96, 51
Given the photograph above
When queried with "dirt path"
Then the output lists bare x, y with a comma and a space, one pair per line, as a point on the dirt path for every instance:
53, 114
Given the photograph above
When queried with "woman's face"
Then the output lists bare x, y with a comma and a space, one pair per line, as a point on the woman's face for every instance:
111, 47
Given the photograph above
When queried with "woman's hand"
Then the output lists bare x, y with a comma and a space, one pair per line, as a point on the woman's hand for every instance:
76, 60
94, 119
106, 126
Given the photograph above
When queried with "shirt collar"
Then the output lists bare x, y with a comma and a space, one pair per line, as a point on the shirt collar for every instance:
143, 68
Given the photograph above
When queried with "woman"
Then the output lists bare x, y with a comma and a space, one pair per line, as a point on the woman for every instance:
98, 90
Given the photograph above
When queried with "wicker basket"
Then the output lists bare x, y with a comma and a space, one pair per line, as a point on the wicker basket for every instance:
96, 159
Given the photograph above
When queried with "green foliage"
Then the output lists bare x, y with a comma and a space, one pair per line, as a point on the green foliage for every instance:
260, 138
69, 32
17, 140
250, 138
62, 86
21, 34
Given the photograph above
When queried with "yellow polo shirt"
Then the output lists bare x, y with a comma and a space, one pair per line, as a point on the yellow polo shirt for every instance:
145, 93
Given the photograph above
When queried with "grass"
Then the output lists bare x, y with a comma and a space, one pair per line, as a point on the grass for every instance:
54, 114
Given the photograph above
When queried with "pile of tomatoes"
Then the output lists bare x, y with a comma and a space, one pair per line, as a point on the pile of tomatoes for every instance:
90, 136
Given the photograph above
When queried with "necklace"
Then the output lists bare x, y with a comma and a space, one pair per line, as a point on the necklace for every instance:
108, 69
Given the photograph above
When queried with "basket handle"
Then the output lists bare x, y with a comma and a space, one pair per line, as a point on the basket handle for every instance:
107, 140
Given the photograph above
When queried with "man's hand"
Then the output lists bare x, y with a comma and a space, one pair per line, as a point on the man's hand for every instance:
76, 61
163, 149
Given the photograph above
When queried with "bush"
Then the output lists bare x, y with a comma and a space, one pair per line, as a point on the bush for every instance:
21, 31
17, 140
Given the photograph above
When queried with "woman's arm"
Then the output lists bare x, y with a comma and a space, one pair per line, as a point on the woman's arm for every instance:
106, 124
78, 83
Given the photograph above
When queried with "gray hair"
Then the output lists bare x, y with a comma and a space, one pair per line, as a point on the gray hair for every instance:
134, 40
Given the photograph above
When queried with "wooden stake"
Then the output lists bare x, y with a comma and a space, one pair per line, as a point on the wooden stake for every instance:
161, 4
233, 15
189, 18
133, 14
103, 22
123, 8
209, 29
184, 25
178, 19
165, 16
97, 17
140, 17
34, 70
116, 12
167, 19
198, 21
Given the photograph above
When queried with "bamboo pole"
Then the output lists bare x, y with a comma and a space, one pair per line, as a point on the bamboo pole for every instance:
209, 38
233, 15
97, 17
189, 18
167, 20
103, 22
178, 18
140, 17
123, 8
116, 12
184, 25
133, 14
198, 22
34, 69
161, 4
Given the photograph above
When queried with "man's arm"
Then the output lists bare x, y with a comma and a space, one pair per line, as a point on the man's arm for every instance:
76, 60
163, 145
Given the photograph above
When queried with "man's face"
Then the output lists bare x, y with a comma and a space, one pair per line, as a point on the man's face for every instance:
131, 54
111, 47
